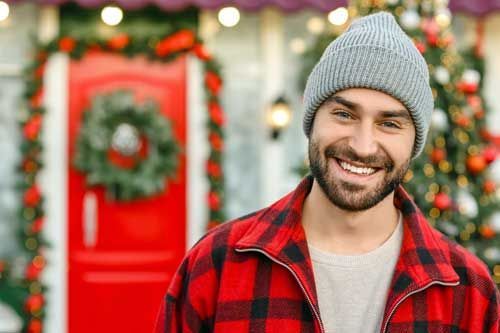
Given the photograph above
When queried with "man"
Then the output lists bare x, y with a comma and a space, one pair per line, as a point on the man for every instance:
348, 250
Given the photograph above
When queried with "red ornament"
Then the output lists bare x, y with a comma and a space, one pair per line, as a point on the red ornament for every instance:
462, 121
37, 225
490, 154
213, 201
216, 141
34, 303
437, 155
430, 26
489, 186
36, 99
33, 272
476, 163
181, 40
213, 83
201, 52
32, 128
32, 196
432, 39
467, 87
442, 201
129, 162
67, 44
474, 101
29, 166
487, 231
34, 326
421, 47
216, 114
39, 71
213, 169
118, 42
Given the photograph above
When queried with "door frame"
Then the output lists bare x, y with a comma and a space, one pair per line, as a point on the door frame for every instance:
54, 137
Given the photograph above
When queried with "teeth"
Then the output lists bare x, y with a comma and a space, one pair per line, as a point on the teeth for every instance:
353, 169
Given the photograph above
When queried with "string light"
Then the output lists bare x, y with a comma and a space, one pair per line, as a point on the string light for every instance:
229, 16
316, 25
338, 16
297, 45
4, 11
112, 15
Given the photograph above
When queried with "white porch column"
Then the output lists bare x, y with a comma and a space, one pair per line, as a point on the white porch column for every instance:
272, 46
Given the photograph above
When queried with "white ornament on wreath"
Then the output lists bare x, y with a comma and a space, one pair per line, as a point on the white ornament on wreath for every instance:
126, 140
439, 120
471, 76
467, 205
442, 75
410, 19
494, 221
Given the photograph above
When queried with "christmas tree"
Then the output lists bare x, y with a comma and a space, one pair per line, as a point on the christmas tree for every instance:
455, 180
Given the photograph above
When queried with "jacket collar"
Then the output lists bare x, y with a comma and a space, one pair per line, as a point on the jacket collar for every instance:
278, 231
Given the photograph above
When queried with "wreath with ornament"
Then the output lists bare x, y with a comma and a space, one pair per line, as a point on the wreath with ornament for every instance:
126, 147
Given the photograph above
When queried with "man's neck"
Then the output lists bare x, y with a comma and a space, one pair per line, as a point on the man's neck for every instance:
332, 229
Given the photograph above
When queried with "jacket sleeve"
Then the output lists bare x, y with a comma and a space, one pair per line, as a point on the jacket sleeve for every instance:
180, 309
493, 313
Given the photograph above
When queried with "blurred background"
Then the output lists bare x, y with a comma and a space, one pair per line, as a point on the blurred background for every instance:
130, 128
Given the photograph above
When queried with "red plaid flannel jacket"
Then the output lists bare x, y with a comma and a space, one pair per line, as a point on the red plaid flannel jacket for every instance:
254, 274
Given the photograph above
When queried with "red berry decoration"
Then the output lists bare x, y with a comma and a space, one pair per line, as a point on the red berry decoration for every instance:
37, 225
442, 201
216, 114
489, 186
487, 231
213, 82
32, 128
213, 201
32, 272
118, 42
438, 155
34, 326
34, 303
490, 154
201, 52
67, 44
32, 196
476, 164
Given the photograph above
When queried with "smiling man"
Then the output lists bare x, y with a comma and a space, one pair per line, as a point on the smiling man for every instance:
347, 251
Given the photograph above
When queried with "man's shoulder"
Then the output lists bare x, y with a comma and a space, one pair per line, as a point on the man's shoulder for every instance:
471, 270
224, 236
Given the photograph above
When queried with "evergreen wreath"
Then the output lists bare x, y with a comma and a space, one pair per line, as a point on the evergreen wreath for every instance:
126, 147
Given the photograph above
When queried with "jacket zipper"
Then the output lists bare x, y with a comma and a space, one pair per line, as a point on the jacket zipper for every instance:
316, 314
449, 284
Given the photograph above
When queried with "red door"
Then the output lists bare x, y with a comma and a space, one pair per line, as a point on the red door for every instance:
122, 255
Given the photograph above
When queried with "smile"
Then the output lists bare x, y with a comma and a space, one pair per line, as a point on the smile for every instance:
358, 170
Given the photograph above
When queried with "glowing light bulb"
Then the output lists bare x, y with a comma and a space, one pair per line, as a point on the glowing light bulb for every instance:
4, 11
338, 16
111, 15
229, 16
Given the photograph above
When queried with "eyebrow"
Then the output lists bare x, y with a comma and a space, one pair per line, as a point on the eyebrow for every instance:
356, 107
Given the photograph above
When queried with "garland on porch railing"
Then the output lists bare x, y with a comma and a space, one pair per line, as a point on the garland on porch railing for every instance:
32, 214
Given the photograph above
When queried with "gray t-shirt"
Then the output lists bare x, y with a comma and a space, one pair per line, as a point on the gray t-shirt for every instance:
352, 290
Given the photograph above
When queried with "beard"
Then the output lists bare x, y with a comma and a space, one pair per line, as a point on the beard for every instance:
349, 196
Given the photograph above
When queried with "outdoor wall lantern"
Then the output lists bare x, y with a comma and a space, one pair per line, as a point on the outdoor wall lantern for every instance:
278, 117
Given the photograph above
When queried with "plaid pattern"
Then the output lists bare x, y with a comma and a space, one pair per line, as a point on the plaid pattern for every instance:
254, 274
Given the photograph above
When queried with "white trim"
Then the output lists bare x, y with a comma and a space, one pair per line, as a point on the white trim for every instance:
54, 182
196, 150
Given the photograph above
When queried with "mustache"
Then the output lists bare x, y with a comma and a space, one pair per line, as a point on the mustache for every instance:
347, 153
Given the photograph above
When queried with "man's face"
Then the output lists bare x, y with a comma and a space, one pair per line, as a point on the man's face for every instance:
360, 147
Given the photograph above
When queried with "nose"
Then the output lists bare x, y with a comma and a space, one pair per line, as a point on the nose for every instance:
363, 141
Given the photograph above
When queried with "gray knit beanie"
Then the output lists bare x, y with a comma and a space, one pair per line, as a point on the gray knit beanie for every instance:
373, 53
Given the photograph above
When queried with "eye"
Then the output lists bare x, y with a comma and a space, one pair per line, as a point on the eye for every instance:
391, 124
342, 114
